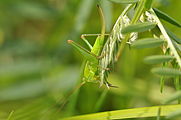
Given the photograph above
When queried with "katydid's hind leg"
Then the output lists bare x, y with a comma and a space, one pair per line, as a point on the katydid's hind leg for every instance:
83, 37
86, 53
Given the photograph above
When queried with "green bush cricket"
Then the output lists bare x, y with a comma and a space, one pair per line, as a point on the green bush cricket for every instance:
91, 69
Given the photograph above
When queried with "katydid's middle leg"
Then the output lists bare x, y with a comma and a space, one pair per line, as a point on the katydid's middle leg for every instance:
83, 37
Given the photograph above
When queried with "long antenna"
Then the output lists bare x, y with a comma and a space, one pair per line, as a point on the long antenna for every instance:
103, 30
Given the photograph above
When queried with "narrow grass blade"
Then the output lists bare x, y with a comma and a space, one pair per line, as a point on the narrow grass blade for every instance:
172, 98
124, 1
156, 59
177, 85
147, 43
128, 113
163, 71
10, 115
139, 27
174, 114
173, 36
100, 100
162, 83
166, 17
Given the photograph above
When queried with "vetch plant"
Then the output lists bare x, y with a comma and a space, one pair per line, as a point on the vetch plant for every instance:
103, 55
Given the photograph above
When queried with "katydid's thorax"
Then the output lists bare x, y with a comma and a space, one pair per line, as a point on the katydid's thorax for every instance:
98, 45
91, 68
91, 72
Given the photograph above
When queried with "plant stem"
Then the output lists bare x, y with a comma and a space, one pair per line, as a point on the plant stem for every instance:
167, 38
136, 17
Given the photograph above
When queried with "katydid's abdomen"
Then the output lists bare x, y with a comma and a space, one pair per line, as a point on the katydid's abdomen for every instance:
91, 69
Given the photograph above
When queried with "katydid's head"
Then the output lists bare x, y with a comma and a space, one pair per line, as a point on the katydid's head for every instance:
70, 41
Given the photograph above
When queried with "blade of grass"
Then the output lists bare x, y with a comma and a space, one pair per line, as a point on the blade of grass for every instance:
166, 17
177, 85
101, 100
10, 115
129, 113
162, 83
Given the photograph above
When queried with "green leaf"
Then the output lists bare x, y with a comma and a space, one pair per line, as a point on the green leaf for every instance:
139, 27
128, 113
163, 71
173, 97
156, 59
166, 17
147, 43
124, 1
10, 115
173, 36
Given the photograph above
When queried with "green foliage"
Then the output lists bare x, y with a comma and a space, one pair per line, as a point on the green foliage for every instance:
157, 59
147, 43
140, 27
166, 71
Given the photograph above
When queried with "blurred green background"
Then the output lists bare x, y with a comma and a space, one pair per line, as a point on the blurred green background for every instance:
38, 68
